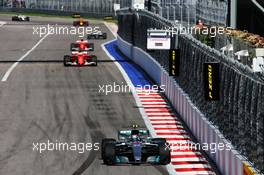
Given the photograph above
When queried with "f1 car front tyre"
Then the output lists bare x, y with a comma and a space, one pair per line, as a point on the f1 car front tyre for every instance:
27, 19
164, 155
66, 60
91, 46
72, 47
159, 141
103, 143
109, 154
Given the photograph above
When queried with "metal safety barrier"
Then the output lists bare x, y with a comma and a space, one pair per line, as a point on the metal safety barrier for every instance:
99, 7
229, 162
239, 113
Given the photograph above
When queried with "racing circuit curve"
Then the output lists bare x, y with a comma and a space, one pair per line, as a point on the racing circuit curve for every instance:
43, 100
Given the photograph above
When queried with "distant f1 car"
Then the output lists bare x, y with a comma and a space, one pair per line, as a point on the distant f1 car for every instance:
81, 22
80, 59
20, 18
82, 45
97, 35
135, 146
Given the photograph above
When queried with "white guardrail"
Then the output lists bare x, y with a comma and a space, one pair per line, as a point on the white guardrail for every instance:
229, 162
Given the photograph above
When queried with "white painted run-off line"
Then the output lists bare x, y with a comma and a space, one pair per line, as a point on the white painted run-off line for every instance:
2, 23
13, 66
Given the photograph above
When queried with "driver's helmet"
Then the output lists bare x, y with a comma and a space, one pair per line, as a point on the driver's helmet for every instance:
135, 135
135, 138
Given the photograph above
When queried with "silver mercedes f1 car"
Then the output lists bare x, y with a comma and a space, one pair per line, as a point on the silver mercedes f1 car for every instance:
135, 146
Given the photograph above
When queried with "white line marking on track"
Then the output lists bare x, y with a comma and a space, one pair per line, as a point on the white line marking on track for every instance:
13, 66
2, 23
115, 35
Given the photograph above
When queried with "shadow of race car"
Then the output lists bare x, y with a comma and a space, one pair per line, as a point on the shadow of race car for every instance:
82, 45
79, 59
135, 146
20, 18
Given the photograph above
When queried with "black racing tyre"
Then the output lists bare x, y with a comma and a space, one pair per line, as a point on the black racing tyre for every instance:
104, 35
165, 156
109, 154
13, 18
92, 46
66, 59
159, 141
94, 59
27, 19
103, 143
72, 46
86, 23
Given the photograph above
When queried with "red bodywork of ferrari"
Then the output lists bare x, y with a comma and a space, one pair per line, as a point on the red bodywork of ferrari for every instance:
82, 45
80, 58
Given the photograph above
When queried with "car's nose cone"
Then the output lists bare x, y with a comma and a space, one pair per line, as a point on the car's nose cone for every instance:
137, 148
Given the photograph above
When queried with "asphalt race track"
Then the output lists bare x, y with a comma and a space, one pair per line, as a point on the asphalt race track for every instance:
42, 100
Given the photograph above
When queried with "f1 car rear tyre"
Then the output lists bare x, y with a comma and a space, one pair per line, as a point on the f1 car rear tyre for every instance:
27, 18
66, 59
104, 35
164, 153
109, 151
94, 59
91, 36
103, 143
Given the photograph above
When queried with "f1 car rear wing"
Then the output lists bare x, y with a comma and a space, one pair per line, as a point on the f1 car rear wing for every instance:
123, 134
82, 47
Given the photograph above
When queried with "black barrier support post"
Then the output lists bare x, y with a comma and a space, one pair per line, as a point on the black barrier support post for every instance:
133, 33
149, 5
133, 29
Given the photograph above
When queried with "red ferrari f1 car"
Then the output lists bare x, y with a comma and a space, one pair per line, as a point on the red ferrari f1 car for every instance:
80, 59
82, 45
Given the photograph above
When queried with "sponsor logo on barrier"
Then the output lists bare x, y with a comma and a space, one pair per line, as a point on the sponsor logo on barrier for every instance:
247, 170
158, 39
76, 15
211, 81
174, 62
107, 18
